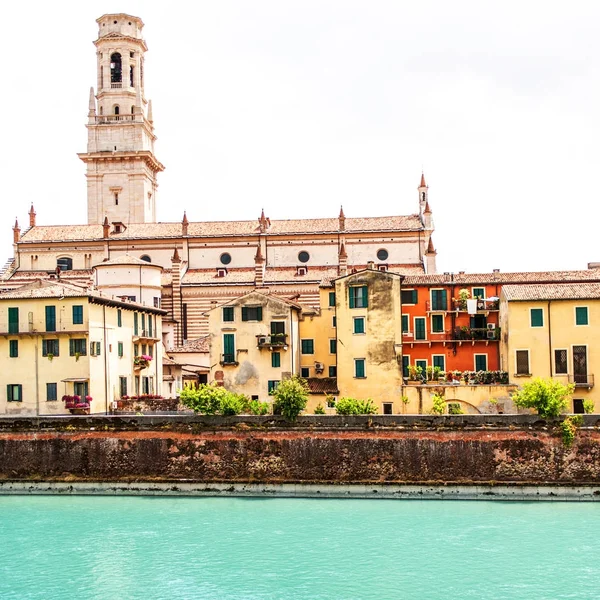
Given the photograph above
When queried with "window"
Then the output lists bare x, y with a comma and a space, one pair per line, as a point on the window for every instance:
560, 362
581, 315
305, 372
50, 318
51, 392
228, 316
144, 349
405, 363
409, 296
251, 313
225, 258
334, 321
156, 301
50, 347
437, 323
81, 388
13, 348
308, 346
78, 314
303, 256
439, 361
481, 362
145, 385
123, 386
276, 360
277, 327
387, 408
115, 68
228, 348
136, 328
272, 386
420, 328
120, 349
119, 318
578, 407
478, 293
95, 348
77, 347
13, 320
382, 254
422, 364
332, 371
358, 296
144, 324
359, 324
331, 298
150, 328
359, 368
522, 362
14, 392
145, 258
405, 328
136, 349
151, 350
64, 264
439, 300
332, 346
537, 317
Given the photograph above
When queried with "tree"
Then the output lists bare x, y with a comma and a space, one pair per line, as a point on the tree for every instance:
212, 399
548, 396
291, 397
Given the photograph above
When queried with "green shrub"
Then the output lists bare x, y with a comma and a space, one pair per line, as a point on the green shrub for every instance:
319, 409
569, 429
232, 404
455, 409
256, 407
352, 406
549, 397
212, 399
588, 406
439, 404
291, 396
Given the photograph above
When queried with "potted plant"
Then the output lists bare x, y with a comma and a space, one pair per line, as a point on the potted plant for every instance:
50, 356
415, 372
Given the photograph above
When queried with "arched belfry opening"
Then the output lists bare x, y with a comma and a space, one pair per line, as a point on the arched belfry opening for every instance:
116, 71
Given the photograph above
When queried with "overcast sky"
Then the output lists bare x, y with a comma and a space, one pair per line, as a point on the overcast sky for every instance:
301, 106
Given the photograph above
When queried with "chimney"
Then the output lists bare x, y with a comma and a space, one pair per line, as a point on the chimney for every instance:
184, 224
32, 216
105, 228
263, 222
343, 261
342, 219
16, 232
259, 268
371, 265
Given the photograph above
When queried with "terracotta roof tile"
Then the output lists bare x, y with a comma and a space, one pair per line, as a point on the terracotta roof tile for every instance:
323, 385
200, 344
503, 278
554, 291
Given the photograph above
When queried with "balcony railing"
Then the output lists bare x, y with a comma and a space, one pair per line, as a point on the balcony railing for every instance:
586, 380
483, 305
228, 359
472, 333
104, 119
273, 340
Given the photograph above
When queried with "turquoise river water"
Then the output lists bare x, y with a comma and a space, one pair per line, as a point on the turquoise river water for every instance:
84, 547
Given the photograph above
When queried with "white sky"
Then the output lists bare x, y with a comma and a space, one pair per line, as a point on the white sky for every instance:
300, 106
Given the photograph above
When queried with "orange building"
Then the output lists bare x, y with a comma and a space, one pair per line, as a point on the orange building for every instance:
451, 320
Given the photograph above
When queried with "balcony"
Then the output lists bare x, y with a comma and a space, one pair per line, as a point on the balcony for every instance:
228, 360
472, 333
585, 380
482, 305
272, 341
145, 335
109, 119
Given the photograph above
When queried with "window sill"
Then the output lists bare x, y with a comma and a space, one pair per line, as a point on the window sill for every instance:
356, 377
522, 375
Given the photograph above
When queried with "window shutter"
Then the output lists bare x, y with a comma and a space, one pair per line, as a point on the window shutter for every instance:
50, 318
351, 297
244, 313
72, 347
581, 315
331, 298
9, 394
259, 313
13, 320
414, 296
444, 299
404, 323
365, 296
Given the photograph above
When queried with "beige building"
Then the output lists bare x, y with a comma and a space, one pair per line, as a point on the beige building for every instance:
66, 349
254, 343
204, 263
552, 331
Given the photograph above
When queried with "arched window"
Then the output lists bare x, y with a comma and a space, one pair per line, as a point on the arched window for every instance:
145, 257
116, 74
117, 109
65, 264
132, 109
101, 76
101, 110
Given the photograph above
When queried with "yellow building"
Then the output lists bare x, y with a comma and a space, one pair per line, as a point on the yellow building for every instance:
65, 348
254, 343
369, 337
552, 331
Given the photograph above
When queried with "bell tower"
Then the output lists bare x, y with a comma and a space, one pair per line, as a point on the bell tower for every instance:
121, 165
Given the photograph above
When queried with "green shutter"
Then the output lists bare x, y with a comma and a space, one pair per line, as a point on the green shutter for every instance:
120, 348
276, 360
437, 323
259, 313
332, 346
581, 315
228, 347
365, 296
9, 394
359, 367
478, 292
359, 325
50, 318
244, 313
331, 298
351, 297
13, 350
71, 347
537, 317
119, 318
404, 323
481, 362
405, 363
135, 324
78, 314
420, 328
150, 325
13, 320
227, 314
439, 361
422, 364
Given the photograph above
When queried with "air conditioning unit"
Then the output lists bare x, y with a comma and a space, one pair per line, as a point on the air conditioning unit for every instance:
319, 367
262, 340
491, 326
491, 334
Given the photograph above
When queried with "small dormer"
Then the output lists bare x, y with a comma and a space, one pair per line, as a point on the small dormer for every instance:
301, 271
221, 271
118, 227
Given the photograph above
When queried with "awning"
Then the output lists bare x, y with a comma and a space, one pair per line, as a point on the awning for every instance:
76, 379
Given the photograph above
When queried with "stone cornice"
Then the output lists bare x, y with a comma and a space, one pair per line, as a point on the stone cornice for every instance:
108, 156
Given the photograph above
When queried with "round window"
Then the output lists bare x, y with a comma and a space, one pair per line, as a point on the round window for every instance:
303, 256
382, 254
145, 257
225, 258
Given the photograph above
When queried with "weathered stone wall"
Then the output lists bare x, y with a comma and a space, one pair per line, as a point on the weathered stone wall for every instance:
466, 449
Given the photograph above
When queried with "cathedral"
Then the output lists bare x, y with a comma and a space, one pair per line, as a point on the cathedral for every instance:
203, 263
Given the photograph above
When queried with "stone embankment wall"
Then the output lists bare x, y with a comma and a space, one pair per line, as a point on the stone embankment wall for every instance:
465, 449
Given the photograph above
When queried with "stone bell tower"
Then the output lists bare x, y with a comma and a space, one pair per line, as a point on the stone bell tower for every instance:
121, 165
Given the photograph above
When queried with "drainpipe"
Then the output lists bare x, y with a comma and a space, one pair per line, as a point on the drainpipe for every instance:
292, 352
37, 377
105, 359
549, 338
